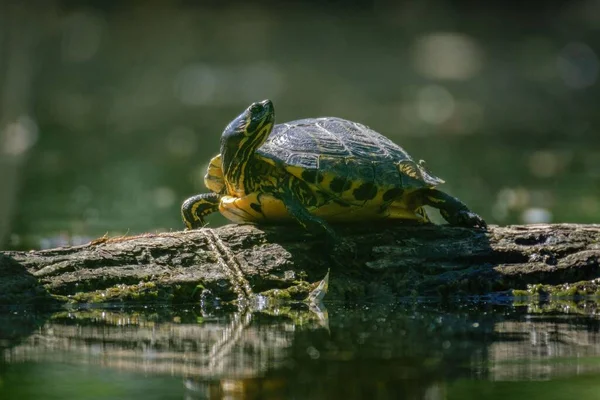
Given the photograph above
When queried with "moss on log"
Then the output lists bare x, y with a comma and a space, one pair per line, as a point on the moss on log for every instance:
237, 262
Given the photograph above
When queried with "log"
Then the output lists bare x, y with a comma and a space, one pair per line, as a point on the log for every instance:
241, 262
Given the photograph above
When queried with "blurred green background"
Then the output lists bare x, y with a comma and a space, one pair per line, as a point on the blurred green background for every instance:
111, 110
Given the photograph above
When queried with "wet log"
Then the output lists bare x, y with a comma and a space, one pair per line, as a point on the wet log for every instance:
239, 262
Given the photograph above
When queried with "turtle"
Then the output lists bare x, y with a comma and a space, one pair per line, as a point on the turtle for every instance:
317, 171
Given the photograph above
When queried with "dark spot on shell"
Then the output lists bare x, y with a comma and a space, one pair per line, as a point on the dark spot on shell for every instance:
339, 185
312, 176
366, 191
256, 207
392, 194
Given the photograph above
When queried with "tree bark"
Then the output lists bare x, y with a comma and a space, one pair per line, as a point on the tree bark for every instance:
238, 262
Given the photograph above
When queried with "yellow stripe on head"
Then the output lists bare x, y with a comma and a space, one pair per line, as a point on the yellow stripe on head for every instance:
240, 140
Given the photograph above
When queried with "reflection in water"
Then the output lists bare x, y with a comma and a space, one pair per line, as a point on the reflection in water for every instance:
547, 342
235, 345
418, 349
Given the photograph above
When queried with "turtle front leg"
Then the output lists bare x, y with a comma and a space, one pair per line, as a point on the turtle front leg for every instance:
452, 209
313, 224
342, 250
194, 209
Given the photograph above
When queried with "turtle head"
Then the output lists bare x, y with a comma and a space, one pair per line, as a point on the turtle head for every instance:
243, 136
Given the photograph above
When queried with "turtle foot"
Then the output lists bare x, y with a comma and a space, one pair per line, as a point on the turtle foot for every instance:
467, 219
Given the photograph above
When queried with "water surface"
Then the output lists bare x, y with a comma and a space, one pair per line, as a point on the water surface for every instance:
416, 350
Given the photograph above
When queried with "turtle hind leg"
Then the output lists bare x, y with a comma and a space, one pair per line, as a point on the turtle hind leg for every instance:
452, 209
194, 209
422, 214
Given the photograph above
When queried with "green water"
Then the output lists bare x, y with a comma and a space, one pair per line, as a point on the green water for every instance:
423, 350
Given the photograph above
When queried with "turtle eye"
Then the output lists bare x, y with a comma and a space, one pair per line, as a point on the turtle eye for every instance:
256, 108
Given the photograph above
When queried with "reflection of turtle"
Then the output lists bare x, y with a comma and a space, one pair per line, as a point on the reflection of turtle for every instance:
316, 170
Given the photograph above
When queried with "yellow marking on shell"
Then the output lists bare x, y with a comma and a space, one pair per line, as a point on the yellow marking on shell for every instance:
335, 212
410, 168
296, 171
406, 207
236, 210
239, 209
358, 209
349, 196
394, 212
324, 185
326, 182
213, 179
272, 162
381, 191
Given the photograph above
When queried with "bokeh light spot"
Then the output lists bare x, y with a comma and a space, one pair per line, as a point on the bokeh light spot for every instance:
164, 197
435, 104
258, 78
201, 84
18, 136
544, 163
81, 195
196, 84
82, 35
577, 65
536, 215
590, 205
447, 56
537, 58
182, 141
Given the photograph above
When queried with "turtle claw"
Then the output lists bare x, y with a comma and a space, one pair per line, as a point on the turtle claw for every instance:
468, 219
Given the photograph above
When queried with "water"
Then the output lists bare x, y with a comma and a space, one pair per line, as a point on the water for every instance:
414, 350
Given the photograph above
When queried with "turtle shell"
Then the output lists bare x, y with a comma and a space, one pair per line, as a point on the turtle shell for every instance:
341, 156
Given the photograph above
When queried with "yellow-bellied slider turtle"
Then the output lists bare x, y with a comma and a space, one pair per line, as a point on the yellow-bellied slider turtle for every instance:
314, 171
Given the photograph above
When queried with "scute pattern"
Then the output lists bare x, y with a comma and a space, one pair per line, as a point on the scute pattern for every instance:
306, 160
345, 149
355, 138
